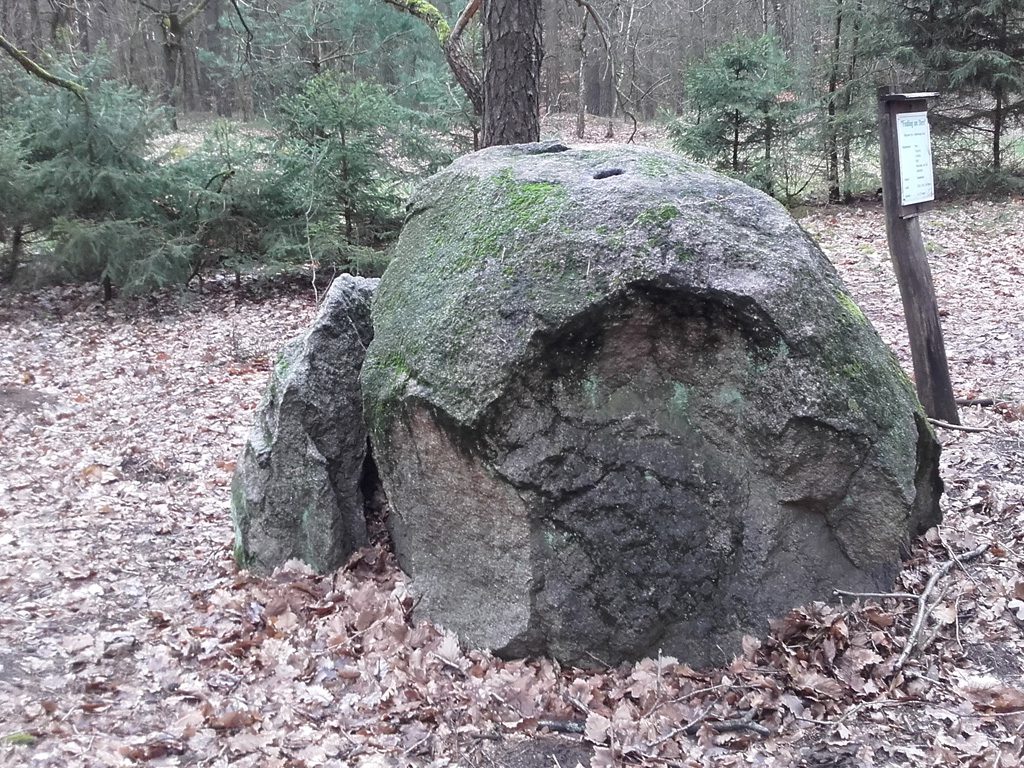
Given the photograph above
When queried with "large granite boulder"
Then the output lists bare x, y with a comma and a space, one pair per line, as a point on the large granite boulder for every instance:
621, 403
298, 487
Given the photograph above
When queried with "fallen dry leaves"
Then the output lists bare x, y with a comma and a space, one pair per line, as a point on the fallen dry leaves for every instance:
128, 637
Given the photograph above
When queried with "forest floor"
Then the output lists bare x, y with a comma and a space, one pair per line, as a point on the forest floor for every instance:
128, 636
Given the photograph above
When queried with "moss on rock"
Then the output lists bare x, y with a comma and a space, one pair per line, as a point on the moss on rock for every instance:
650, 372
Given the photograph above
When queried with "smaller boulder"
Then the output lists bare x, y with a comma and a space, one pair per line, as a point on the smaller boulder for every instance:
297, 491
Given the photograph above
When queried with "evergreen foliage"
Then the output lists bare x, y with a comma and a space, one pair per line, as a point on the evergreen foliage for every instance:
81, 185
973, 52
746, 110
849, 69
16, 208
368, 41
348, 151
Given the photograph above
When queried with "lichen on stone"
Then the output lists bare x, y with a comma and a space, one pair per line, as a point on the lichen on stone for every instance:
655, 378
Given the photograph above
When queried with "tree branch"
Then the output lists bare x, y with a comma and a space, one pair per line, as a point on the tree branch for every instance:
428, 13
611, 64
963, 428
923, 609
37, 71
464, 18
248, 32
149, 7
192, 12
450, 39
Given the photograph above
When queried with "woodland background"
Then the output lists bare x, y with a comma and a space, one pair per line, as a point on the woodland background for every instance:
219, 140
206, 134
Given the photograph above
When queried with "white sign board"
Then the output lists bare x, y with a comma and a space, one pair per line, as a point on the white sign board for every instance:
914, 141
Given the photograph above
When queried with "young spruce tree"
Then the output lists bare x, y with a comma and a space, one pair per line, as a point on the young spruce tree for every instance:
85, 181
745, 108
972, 49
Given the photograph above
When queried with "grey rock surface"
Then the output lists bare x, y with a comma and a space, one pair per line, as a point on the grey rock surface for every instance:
623, 404
297, 489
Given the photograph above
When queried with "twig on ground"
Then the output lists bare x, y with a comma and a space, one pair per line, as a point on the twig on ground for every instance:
852, 711
923, 609
955, 558
599, 660
984, 402
876, 595
417, 745
563, 726
745, 723
962, 428
448, 664
956, 613
578, 705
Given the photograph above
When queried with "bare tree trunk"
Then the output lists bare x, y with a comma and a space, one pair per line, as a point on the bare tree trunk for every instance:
763, 15
512, 59
997, 114
997, 129
9, 263
36, 26
581, 92
552, 59
785, 34
851, 71
736, 141
84, 28
349, 212
170, 59
832, 130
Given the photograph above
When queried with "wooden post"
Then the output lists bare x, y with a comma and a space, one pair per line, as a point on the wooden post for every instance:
906, 193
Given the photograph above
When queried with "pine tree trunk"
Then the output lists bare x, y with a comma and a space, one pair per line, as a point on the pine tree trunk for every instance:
832, 130
512, 59
553, 60
997, 115
581, 93
785, 33
9, 263
171, 53
349, 212
84, 31
997, 129
37, 28
851, 71
736, 141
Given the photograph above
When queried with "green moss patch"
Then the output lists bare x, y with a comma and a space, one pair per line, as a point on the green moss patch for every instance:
659, 216
851, 308
20, 739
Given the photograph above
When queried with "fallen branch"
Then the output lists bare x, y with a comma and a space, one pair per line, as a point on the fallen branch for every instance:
449, 664
923, 609
961, 427
984, 402
876, 595
563, 726
745, 723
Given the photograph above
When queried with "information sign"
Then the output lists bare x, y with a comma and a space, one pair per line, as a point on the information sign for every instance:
914, 143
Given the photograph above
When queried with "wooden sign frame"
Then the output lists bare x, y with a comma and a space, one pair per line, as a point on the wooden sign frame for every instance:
910, 262
900, 104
